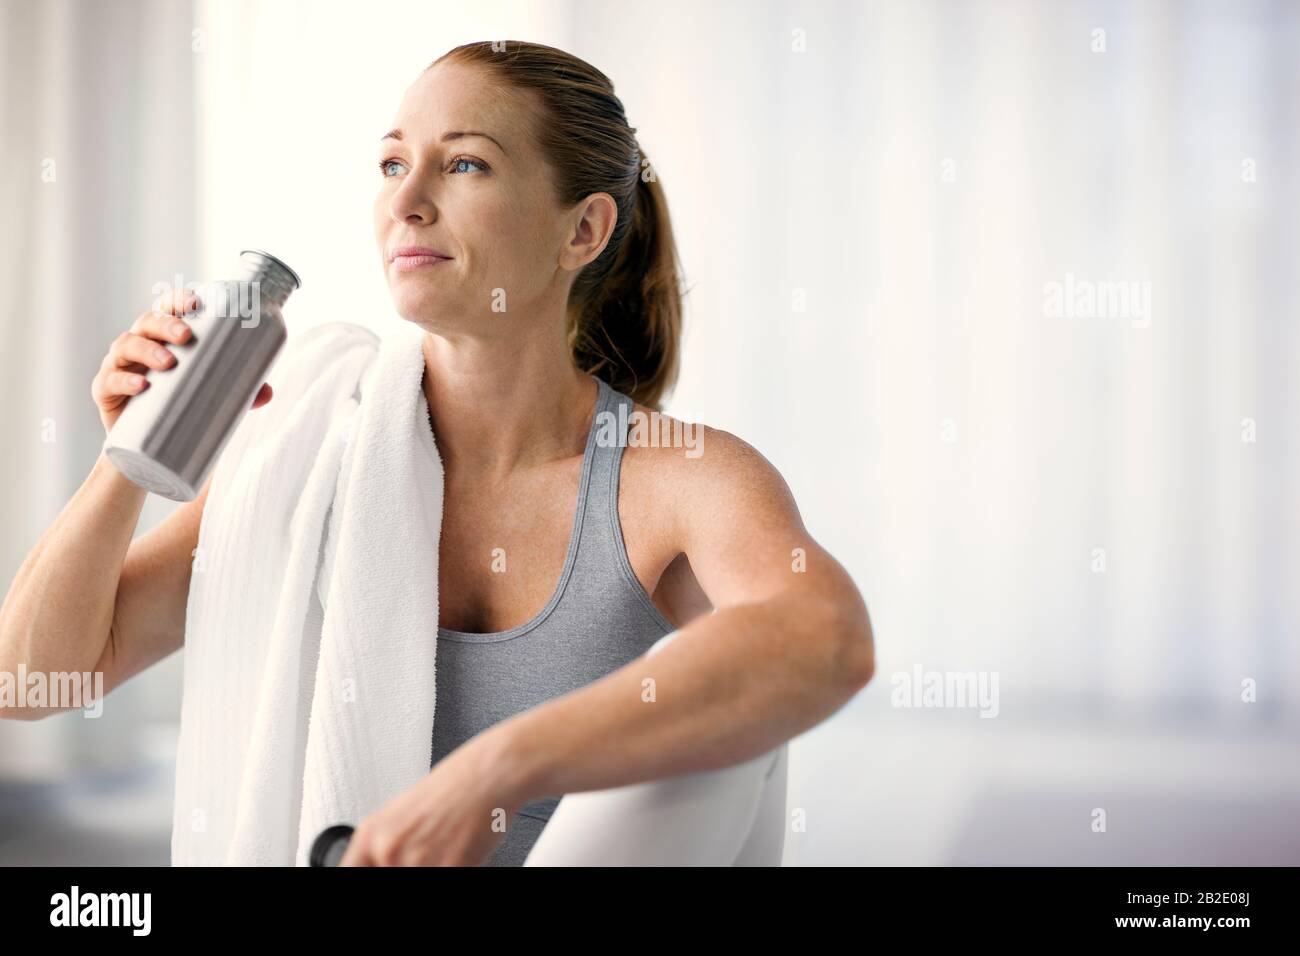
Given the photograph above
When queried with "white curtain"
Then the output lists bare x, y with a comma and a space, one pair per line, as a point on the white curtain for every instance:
872, 199
97, 205
870, 225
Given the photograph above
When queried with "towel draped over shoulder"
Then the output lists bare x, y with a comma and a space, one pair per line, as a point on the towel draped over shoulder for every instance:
296, 716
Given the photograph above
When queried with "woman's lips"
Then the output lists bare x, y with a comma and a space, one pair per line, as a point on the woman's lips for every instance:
403, 263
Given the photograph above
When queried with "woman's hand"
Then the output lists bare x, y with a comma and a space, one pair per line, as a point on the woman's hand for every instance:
141, 348
456, 816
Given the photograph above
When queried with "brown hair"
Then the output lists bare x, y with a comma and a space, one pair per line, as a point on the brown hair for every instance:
625, 307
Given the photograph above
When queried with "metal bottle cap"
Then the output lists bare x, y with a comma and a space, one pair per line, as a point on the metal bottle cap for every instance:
270, 272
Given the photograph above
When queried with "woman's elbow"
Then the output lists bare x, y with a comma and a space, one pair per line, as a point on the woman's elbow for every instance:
863, 644
856, 643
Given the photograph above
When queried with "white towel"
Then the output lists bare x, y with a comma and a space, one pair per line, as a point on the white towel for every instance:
294, 718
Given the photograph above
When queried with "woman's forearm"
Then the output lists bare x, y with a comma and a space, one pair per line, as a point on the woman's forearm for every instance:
726, 688
59, 608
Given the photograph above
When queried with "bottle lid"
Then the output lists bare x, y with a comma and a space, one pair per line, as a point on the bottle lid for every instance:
293, 276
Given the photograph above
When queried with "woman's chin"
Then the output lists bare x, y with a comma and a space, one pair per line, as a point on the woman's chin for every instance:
439, 319
422, 306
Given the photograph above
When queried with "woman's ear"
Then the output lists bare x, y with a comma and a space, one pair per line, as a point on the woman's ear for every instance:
592, 224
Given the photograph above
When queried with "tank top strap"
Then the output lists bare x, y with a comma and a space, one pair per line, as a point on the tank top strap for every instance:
600, 537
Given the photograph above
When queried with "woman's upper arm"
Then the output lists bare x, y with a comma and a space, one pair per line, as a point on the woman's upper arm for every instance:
152, 594
738, 522
746, 541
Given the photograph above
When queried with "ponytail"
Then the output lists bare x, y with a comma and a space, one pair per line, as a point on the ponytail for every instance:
628, 331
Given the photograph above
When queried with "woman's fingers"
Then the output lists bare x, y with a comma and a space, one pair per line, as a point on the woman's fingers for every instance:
357, 854
125, 383
177, 301
163, 326
132, 348
142, 348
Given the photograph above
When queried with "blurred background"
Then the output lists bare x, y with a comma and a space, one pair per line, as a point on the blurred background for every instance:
880, 207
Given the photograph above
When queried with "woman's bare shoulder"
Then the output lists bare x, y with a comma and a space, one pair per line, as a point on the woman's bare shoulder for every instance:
709, 495
696, 469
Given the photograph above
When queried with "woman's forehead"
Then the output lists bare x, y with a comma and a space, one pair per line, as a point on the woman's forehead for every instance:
458, 94
431, 113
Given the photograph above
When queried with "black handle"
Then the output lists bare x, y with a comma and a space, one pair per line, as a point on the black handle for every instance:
330, 845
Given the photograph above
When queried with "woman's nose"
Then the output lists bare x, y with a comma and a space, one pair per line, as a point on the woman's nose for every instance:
411, 204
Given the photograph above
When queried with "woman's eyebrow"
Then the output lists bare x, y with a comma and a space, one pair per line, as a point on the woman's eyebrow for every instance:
454, 134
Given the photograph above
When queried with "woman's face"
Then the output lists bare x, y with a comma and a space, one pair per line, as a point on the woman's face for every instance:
461, 176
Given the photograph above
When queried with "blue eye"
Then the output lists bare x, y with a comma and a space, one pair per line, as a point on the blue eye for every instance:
456, 166
460, 160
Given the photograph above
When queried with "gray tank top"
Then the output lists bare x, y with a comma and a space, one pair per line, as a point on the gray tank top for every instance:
598, 619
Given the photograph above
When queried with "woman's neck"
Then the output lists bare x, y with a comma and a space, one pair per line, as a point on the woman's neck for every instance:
505, 402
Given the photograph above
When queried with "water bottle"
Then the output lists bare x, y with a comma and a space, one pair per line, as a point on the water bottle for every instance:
169, 436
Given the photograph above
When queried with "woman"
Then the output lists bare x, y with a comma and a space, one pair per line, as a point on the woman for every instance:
520, 226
